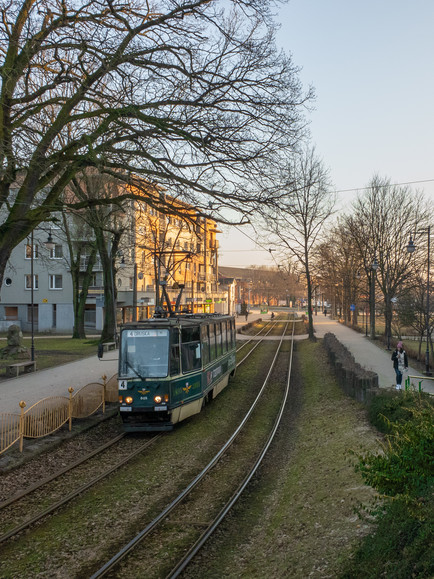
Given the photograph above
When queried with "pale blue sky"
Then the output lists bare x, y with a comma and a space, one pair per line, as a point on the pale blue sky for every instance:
372, 66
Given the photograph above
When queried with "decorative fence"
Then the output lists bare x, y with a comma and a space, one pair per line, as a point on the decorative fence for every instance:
50, 414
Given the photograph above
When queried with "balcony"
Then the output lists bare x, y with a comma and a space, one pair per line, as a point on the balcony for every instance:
84, 261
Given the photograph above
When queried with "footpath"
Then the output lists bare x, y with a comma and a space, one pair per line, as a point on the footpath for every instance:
37, 385
371, 356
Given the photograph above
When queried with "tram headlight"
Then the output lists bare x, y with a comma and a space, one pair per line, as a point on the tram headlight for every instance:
128, 399
157, 399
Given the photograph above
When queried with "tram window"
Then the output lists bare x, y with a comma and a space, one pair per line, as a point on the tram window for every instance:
144, 353
190, 349
218, 331
225, 336
205, 344
175, 364
212, 343
174, 360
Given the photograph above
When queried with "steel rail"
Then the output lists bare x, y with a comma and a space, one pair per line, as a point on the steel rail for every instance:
167, 510
86, 486
52, 477
255, 336
186, 560
78, 491
255, 346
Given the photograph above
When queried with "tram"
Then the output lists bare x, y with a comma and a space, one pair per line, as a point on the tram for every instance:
169, 367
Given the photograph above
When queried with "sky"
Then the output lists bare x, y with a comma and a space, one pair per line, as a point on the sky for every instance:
371, 64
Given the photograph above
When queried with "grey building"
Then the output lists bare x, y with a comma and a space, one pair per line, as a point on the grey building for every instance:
47, 270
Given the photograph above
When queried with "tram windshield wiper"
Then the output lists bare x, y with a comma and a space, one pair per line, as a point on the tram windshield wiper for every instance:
133, 369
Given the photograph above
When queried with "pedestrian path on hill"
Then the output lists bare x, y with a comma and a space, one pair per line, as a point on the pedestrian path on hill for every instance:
368, 354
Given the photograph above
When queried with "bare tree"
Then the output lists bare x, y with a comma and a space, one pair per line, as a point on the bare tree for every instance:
297, 224
337, 265
102, 227
193, 95
381, 222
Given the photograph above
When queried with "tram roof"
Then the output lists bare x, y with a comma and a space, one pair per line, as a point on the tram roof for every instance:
176, 320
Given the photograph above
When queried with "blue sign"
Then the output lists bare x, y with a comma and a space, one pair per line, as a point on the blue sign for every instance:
352, 307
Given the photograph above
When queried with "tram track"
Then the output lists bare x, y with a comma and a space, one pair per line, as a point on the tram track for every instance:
208, 471
81, 489
43, 485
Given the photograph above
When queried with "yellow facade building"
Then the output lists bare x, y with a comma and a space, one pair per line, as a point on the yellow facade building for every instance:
166, 251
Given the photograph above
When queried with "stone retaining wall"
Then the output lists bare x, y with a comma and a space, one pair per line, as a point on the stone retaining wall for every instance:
354, 380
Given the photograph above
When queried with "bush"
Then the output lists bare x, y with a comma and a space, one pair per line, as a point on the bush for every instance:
403, 472
406, 464
400, 547
392, 406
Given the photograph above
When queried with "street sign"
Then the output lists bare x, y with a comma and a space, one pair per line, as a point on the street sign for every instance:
352, 307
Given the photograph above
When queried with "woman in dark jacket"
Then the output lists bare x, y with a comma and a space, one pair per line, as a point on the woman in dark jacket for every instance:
400, 363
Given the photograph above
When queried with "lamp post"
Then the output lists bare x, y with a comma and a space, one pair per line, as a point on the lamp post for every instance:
374, 268
411, 248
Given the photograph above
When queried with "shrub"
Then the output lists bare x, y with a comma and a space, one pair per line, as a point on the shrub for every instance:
406, 464
390, 406
403, 472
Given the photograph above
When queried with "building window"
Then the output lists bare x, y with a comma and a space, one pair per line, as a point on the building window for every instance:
8, 281
35, 314
11, 312
55, 282
28, 282
56, 252
29, 251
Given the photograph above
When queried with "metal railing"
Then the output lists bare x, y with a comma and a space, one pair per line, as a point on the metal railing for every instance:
50, 414
420, 379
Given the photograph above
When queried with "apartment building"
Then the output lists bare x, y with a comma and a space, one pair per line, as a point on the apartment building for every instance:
177, 250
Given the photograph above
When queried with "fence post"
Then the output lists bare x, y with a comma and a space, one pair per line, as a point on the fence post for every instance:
22, 406
104, 384
70, 390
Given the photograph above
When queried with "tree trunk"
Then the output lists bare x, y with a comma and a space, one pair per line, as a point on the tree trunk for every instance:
80, 297
109, 331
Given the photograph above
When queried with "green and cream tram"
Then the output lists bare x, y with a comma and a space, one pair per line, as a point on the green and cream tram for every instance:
169, 367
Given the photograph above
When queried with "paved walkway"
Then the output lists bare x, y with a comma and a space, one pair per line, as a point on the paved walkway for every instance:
369, 355
34, 386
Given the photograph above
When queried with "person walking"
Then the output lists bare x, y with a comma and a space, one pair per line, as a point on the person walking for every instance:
400, 363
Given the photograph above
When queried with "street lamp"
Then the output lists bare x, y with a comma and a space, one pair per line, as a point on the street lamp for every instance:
374, 268
411, 248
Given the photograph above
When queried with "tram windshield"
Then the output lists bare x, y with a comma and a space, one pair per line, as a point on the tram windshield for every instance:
144, 353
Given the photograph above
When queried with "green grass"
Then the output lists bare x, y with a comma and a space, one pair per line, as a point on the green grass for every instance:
51, 352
